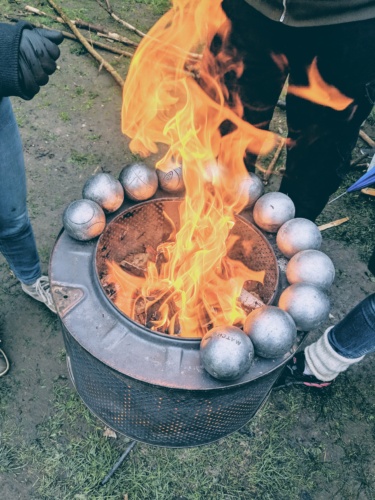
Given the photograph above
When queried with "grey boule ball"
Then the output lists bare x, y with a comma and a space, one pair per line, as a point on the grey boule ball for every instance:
171, 181
105, 190
226, 352
84, 220
307, 304
251, 188
139, 181
271, 330
272, 210
296, 235
311, 266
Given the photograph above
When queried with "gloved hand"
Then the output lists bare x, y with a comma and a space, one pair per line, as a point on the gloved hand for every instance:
38, 52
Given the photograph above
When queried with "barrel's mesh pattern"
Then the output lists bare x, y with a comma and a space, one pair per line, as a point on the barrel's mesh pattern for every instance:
158, 415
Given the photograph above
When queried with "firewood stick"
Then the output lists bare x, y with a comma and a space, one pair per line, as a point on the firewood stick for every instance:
358, 160
66, 34
99, 45
109, 9
334, 223
84, 25
116, 37
366, 138
272, 165
87, 45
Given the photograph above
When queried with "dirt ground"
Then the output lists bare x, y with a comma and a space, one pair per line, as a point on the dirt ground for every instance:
70, 131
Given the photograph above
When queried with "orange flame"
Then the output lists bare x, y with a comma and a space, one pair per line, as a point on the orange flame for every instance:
319, 91
174, 95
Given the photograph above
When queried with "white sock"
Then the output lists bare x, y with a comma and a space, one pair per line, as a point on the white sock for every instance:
324, 362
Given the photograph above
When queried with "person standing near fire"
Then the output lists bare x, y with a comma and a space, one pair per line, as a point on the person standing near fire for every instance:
27, 59
280, 39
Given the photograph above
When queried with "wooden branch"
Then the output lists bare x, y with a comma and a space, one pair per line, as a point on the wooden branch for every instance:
334, 223
359, 159
366, 138
107, 7
70, 36
99, 45
84, 25
86, 44
272, 165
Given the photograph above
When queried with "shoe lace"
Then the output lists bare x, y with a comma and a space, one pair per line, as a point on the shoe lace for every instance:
42, 287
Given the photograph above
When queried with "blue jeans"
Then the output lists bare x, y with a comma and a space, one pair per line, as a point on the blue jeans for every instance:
354, 336
17, 242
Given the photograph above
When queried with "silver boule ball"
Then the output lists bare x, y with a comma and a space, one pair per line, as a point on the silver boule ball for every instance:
296, 235
251, 189
139, 181
271, 330
311, 266
171, 181
308, 305
83, 220
272, 210
226, 352
105, 190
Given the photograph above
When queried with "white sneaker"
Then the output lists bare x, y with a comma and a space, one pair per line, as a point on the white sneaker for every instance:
4, 363
40, 290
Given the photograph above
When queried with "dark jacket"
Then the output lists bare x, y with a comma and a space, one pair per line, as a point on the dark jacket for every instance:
10, 36
315, 12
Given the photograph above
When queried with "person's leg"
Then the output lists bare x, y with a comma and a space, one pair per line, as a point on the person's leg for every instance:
17, 242
322, 139
335, 351
256, 40
354, 336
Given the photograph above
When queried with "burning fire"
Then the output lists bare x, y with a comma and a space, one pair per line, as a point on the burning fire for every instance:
175, 95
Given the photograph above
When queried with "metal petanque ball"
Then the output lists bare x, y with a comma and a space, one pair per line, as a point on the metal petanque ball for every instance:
251, 189
272, 210
84, 220
172, 180
308, 305
139, 181
296, 235
271, 330
105, 190
226, 352
311, 266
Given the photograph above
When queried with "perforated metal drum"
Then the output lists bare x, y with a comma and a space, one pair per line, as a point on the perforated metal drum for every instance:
148, 385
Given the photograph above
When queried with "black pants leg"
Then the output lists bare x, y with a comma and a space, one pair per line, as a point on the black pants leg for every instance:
321, 139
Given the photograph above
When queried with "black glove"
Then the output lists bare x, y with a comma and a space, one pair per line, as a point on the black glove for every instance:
38, 52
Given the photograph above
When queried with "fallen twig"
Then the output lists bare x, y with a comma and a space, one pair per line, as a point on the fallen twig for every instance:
359, 159
66, 34
272, 165
109, 9
87, 45
334, 223
99, 30
366, 138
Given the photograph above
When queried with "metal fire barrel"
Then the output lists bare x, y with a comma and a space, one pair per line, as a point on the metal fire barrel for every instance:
146, 385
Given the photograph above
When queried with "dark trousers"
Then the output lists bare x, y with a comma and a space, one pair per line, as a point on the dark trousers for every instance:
321, 139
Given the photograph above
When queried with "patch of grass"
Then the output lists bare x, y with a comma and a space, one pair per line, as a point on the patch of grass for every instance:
82, 159
77, 49
8, 458
159, 6
263, 461
64, 116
